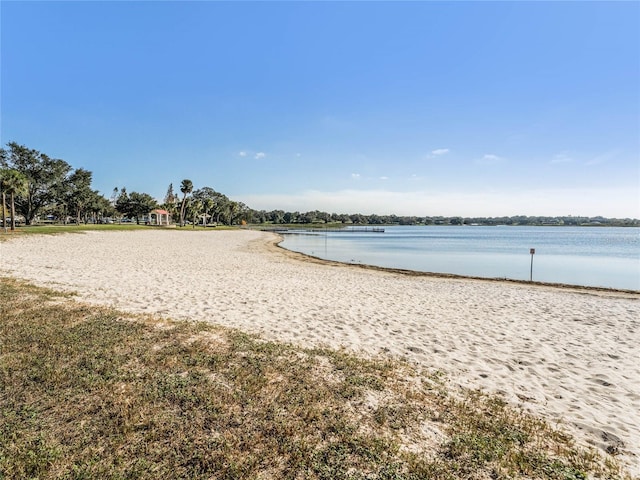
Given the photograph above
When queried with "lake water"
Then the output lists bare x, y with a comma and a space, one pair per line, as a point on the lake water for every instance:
590, 256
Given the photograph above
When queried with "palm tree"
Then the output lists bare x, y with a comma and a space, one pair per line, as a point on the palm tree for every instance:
207, 205
186, 187
14, 183
233, 209
195, 208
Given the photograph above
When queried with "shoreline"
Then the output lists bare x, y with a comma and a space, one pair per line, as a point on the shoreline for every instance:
563, 353
585, 289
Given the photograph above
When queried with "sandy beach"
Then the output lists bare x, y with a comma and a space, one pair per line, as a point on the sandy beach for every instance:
570, 355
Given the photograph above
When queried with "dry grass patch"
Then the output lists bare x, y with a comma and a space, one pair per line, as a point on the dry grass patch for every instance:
89, 392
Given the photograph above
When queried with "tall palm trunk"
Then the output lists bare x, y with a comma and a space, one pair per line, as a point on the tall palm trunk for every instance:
186, 187
4, 212
13, 213
182, 207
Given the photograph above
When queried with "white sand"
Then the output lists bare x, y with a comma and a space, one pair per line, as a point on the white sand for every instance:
570, 355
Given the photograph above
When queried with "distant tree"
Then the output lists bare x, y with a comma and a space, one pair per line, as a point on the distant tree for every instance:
186, 187
171, 201
99, 207
45, 178
404, 220
135, 205
114, 196
375, 220
207, 207
233, 212
222, 210
122, 202
358, 218
290, 217
243, 214
259, 217
276, 216
13, 183
215, 203
170, 197
116, 202
79, 195
194, 210
228, 212
307, 217
323, 216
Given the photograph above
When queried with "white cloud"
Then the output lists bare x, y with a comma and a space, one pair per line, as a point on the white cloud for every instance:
242, 154
384, 178
355, 176
260, 155
440, 151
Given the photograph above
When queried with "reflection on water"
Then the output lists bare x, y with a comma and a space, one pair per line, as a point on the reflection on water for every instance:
602, 257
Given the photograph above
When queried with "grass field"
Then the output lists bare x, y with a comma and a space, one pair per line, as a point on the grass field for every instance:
70, 228
88, 392
75, 228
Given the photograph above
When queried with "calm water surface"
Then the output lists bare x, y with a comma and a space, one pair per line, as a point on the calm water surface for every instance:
591, 256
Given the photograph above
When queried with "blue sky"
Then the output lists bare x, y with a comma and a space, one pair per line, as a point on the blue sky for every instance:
413, 108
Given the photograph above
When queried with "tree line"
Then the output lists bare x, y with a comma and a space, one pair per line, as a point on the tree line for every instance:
317, 217
34, 186
37, 184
